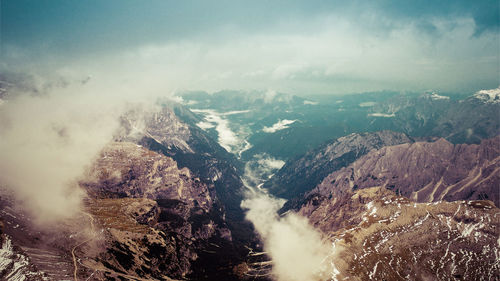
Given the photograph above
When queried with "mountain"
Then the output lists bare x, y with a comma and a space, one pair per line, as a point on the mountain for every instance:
15, 265
424, 171
176, 217
143, 218
163, 199
378, 235
300, 175
467, 120
169, 130
286, 127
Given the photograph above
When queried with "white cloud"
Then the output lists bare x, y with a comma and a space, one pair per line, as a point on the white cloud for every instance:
47, 141
233, 142
260, 168
280, 125
234, 112
295, 247
335, 56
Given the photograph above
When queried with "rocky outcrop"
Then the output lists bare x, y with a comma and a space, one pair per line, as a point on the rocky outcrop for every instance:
170, 130
158, 219
299, 176
424, 171
378, 235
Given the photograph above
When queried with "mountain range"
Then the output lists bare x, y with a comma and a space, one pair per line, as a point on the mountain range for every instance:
382, 177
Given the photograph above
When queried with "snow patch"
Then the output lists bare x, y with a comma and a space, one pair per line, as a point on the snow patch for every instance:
489, 96
16, 266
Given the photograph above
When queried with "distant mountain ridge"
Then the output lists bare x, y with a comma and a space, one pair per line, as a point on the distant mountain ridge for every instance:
423, 171
300, 175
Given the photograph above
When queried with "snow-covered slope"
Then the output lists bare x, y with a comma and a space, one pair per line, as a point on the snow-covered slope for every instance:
15, 265
489, 96
382, 236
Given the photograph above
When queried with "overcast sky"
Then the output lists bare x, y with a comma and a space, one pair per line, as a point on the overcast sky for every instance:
289, 46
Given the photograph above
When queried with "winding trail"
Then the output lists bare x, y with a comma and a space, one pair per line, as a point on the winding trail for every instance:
75, 263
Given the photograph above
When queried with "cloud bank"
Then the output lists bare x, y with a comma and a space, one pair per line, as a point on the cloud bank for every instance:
302, 49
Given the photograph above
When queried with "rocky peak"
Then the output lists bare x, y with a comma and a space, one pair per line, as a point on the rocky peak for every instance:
303, 174
160, 124
424, 171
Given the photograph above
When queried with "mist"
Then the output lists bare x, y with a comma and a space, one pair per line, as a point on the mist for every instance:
49, 134
297, 250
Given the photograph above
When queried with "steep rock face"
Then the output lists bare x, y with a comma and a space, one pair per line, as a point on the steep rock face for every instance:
378, 235
170, 130
129, 170
144, 219
303, 174
131, 249
158, 218
424, 171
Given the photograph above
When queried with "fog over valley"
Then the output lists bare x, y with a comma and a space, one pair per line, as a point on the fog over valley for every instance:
280, 141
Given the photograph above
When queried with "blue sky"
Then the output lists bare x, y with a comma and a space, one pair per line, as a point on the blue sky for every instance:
290, 46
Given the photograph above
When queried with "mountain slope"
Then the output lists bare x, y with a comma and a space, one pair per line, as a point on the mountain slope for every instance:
301, 175
381, 236
169, 130
424, 171
173, 217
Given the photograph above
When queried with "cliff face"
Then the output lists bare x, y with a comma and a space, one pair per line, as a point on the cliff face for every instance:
303, 174
378, 235
143, 218
157, 219
171, 131
424, 171
379, 231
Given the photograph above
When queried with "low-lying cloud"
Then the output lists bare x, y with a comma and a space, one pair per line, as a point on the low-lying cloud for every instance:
297, 250
280, 125
233, 142
260, 168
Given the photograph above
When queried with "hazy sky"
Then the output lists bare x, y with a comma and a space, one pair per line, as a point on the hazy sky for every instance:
289, 46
